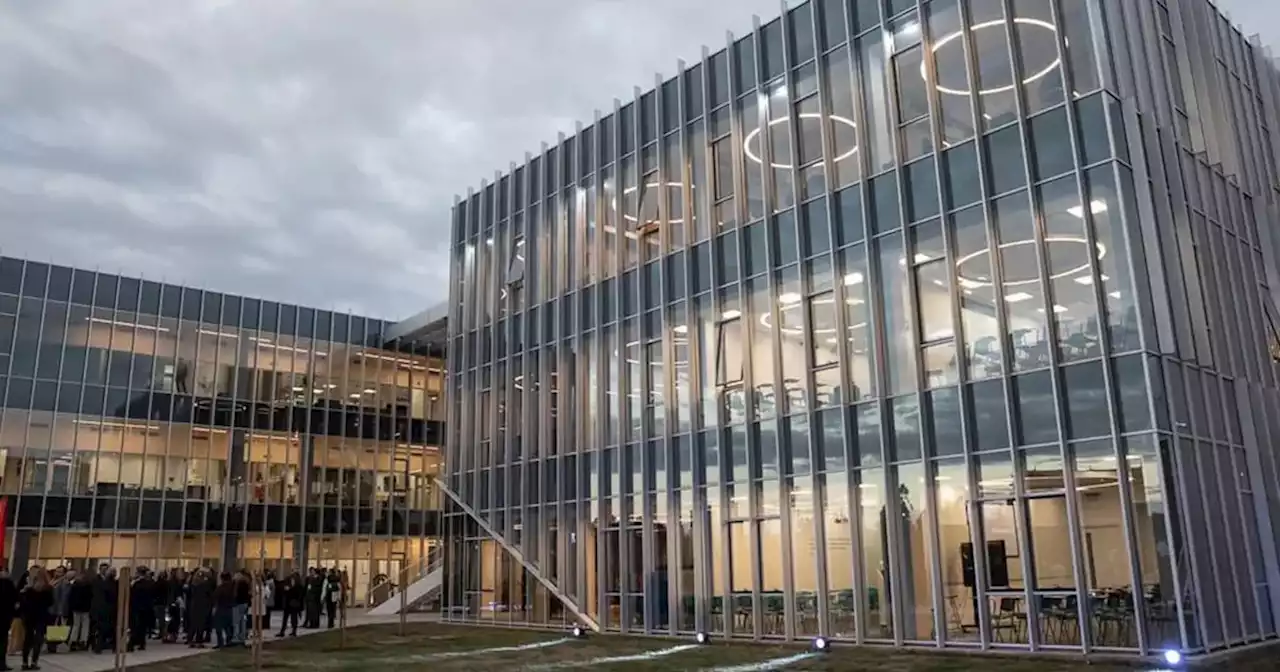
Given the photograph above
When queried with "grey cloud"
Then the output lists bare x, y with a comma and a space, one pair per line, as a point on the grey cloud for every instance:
298, 150
307, 151
1255, 17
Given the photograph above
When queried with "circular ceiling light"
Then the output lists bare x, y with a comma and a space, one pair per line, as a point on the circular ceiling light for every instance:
766, 319
755, 133
652, 185
971, 283
938, 45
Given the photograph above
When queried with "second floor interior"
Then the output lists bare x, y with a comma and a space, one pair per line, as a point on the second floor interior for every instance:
88, 361
44, 453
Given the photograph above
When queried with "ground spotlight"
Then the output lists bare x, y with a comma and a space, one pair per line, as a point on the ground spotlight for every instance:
1173, 657
578, 632
821, 645
702, 638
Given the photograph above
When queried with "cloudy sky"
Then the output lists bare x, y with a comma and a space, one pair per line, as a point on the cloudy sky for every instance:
308, 150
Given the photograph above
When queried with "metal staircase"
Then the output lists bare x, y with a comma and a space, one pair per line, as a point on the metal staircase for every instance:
415, 586
569, 603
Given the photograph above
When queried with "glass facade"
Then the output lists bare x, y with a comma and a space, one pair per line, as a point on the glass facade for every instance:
941, 322
149, 423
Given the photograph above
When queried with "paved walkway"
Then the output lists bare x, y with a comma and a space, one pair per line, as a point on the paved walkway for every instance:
86, 661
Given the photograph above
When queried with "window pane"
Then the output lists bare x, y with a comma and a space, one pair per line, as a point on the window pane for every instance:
942, 410
1131, 394
1036, 42
1051, 144
990, 427
977, 294
843, 134
1023, 299
960, 170
1078, 33
1075, 313
849, 213
899, 349
816, 231
922, 190
822, 315
885, 215
1037, 421
1005, 171
1105, 209
1091, 130
1087, 407
875, 101
995, 80
853, 271
831, 23
950, 71
913, 98
905, 430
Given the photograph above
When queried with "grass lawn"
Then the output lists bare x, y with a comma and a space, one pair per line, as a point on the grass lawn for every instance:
430, 646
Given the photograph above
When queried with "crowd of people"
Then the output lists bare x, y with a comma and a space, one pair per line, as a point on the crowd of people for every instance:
194, 608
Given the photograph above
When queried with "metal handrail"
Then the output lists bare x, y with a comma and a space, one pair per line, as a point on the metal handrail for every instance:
425, 566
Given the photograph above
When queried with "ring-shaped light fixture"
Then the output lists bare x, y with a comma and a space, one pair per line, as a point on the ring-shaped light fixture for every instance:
746, 142
971, 282
1026, 21
766, 319
675, 340
651, 185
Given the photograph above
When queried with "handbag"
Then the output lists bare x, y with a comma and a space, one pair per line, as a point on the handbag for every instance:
57, 634
17, 635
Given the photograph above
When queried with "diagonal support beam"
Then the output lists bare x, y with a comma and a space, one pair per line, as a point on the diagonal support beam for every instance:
567, 601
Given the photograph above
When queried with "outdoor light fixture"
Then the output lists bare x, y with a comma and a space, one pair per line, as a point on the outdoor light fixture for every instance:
1173, 657
821, 645
746, 142
578, 632
1022, 20
702, 638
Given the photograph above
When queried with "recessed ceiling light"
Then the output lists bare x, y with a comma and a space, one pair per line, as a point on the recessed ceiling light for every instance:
853, 278
1017, 296
1096, 207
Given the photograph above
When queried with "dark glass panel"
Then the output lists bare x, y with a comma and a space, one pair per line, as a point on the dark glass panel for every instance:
35, 279
104, 293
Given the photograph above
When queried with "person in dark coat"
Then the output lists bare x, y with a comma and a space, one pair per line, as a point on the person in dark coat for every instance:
240, 614
159, 604
175, 605
141, 609
80, 602
102, 612
224, 606
35, 607
200, 608
293, 596
315, 598
8, 607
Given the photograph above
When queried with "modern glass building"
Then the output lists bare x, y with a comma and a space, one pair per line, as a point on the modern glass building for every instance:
916, 322
149, 423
